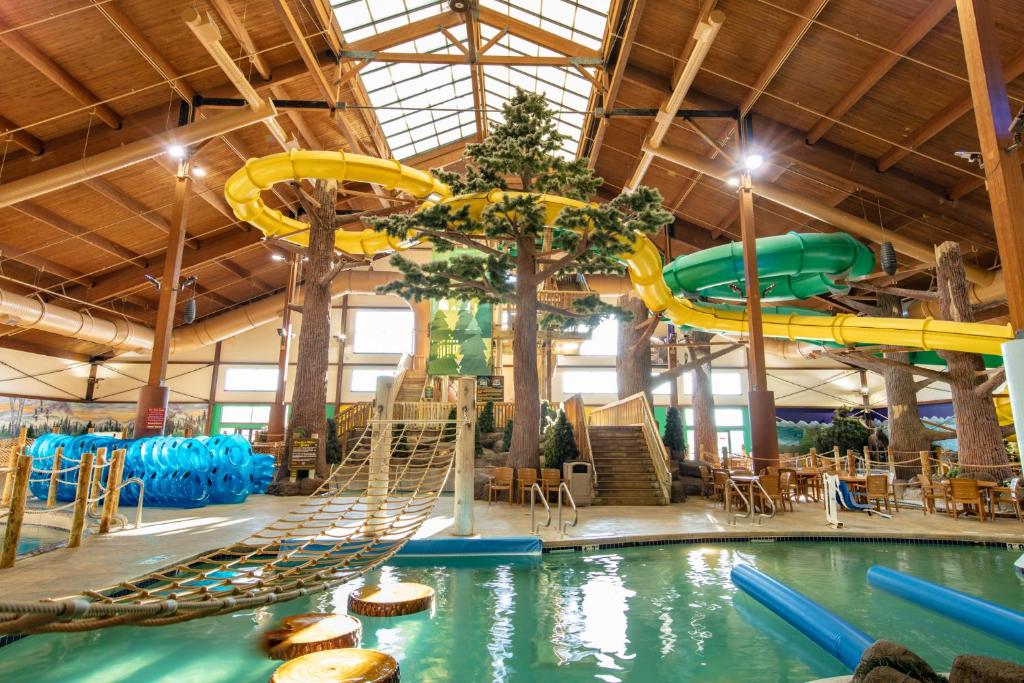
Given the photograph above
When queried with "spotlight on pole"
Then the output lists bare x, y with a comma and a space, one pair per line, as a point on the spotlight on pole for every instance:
176, 151
753, 161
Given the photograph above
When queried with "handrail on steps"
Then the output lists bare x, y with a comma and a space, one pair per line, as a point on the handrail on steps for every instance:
534, 490
733, 516
635, 411
575, 511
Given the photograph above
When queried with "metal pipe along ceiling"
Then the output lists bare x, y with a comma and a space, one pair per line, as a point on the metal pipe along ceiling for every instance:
31, 313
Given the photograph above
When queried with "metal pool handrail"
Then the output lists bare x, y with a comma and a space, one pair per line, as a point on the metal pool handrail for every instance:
729, 486
534, 490
750, 508
575, 510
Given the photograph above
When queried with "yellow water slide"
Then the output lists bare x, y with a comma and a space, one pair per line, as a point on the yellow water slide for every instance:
244, 192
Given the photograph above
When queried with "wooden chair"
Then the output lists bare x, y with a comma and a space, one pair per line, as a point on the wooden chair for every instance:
929, 491
772, 484
786, 493
550, 478
707, 481
719, 478
501, 481
1006, 494
965, 492
877, 489
526, 478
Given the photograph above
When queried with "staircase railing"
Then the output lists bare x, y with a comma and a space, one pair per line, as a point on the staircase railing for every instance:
635, 411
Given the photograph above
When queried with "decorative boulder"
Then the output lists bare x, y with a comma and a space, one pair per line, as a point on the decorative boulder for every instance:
480, 481
678, 492
889, 655
978, 669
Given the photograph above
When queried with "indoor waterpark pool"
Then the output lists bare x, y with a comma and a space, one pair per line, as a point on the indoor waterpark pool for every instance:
36, 538
666, 612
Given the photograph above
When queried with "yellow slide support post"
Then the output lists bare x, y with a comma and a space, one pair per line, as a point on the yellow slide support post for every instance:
243, 191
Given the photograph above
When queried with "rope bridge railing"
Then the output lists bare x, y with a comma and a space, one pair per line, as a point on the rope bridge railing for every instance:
371, 504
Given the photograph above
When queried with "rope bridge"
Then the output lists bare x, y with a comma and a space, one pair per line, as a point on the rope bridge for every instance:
370, 505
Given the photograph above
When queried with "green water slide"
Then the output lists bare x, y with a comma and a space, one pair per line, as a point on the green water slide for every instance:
790, 266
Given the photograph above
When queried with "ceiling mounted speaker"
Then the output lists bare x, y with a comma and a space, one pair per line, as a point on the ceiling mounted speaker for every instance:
458, 5
189, 313
889, 261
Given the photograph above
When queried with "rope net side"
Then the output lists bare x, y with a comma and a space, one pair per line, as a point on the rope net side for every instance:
371, 504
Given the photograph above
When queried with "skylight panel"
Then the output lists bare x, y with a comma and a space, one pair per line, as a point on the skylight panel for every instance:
426, 105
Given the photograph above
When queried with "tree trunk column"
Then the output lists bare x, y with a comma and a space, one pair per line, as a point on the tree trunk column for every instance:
524, 450
907, 434
633, 361
979, 437
151, 411
705, 436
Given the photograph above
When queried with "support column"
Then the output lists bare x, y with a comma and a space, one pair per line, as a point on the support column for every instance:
464, 456
763, 433
380, 457
340, 375
214, 382
90, 387
275, 423
151, 413
1003, 176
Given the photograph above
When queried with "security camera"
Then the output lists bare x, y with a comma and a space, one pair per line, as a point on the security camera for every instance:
1016, 130
972, 157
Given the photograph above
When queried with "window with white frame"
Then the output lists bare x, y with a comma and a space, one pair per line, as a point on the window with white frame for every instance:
663, 389
589, 381
604, 339
365, 379
250, 379
383, 331
238, 414
723, 383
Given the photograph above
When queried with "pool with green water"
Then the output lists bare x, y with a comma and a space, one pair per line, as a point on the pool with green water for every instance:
35, 538
655, 613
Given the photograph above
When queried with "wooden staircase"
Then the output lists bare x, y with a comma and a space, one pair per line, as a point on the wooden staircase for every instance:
411, 389
625, 473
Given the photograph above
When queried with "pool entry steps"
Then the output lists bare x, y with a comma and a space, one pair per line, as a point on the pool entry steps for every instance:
356, 520
861, 652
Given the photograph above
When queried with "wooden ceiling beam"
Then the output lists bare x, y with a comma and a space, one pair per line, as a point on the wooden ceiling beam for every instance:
534, 34
21, 137
213, 295
16, 344
609, 97
244, 274
808, 13
936, 11
44, 215
403, 34
307, 134
237, 28
833, 161
12, 253
960, 106
476, 71
501, 60
118, 196
124, 280
56, 74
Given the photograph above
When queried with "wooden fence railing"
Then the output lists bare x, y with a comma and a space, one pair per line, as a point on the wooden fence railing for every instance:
634, 410
439, 410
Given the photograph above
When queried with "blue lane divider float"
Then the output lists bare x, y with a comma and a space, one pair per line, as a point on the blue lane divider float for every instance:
468, 547
837, 637
176, 471
988, 617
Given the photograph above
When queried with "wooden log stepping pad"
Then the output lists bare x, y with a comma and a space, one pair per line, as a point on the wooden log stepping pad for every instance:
390, 600
302, 634
350, 665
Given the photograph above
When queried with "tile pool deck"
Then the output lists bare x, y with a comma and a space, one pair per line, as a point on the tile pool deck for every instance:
171, 535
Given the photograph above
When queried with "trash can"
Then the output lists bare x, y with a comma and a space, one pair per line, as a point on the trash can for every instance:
578, 475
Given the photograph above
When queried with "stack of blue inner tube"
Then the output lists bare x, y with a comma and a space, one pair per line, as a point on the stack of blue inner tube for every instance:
176, 471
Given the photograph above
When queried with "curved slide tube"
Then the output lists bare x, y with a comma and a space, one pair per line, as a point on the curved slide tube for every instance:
988, 617
243, 191
790, 266
841, 640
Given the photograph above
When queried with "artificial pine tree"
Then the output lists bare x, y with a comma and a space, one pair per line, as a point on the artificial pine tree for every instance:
673, 436
486, 419
506, 437
510, 263
560, 444
846, 431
